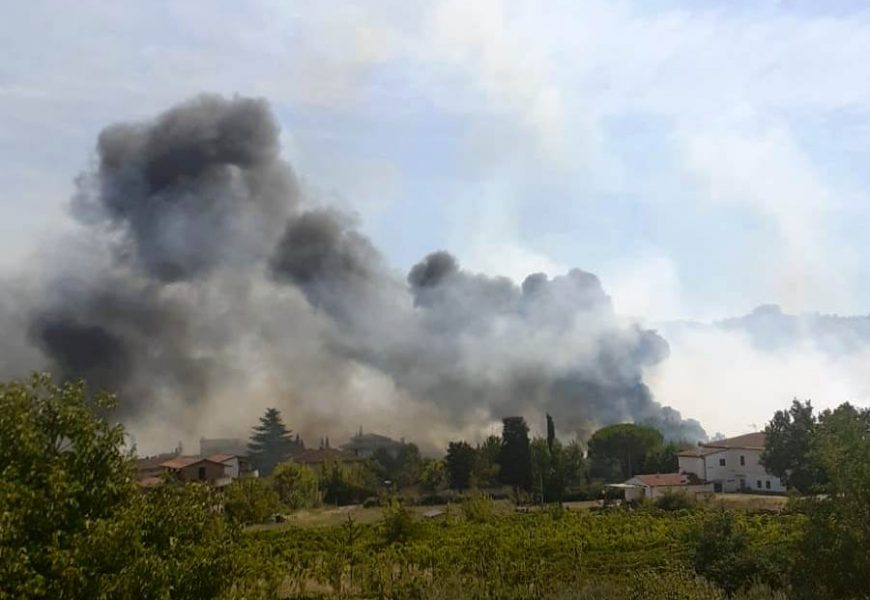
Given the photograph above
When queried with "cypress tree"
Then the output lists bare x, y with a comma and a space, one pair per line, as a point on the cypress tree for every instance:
515, 460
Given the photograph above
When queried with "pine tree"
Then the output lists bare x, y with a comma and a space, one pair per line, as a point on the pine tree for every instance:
270, 443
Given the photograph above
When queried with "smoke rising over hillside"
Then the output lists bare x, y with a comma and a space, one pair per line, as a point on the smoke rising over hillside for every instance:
205, 285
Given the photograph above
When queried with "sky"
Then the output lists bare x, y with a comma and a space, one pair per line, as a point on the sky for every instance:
700, 158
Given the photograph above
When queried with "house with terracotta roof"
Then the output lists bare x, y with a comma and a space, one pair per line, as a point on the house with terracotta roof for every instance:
197, 468
656, 485
732, 464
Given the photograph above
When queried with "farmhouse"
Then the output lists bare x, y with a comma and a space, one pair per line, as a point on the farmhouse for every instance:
656, 485
732, 465
195, 468
235, 466
365, 445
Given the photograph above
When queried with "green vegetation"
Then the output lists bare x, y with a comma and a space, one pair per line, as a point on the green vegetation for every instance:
539, 555
459, 464
297, 486
515, 459
619, 452
270, 443
73, 524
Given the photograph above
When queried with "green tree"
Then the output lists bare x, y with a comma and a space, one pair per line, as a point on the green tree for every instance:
347, 484
297, 486
73, 524
574, 467
515, 459
250, 500
622, 451
788, 447
834, 558
401, 467
665, 459
542, 468
486, 468
551, 432
270, 443
63, 469
173, 542
433, 475
459, 464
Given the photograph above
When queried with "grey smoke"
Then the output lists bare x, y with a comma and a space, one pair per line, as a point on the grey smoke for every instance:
208, 267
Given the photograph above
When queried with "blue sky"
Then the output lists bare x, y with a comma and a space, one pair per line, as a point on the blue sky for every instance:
701, 159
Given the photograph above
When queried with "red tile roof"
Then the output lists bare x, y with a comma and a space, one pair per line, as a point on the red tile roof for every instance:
221, 457
663, 479
180, 462
700, 451
748, 441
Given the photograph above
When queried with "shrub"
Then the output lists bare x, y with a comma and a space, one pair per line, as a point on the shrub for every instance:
676, 501
250, 500
478, 508
397, 522
297, 486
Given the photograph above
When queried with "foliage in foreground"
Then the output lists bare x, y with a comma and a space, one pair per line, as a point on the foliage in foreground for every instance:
73, 524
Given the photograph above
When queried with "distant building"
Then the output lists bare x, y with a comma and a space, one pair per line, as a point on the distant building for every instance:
731, 464
317, 458
196, 468
234, 466
656, 485
235, 446
364, 445
149, 471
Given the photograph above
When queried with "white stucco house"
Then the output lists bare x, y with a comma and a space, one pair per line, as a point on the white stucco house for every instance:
731, 465
656, 485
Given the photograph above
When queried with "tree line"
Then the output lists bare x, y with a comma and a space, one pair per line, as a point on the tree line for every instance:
539, 468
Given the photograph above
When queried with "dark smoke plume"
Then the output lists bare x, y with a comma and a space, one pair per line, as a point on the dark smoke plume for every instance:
207, 283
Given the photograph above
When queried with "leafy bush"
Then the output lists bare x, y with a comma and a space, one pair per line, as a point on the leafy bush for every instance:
726, 554
478, 508
347, 484
73, 524
297, 486
676, 501
250, 500
397, 522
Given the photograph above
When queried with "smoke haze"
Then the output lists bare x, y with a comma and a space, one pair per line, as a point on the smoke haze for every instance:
203, 286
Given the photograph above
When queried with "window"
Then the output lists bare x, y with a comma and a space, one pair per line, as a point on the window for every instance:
767, 484
721, 462
758, 484
202, 473
742, 461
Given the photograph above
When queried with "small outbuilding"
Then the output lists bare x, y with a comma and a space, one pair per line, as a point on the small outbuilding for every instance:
656, 485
